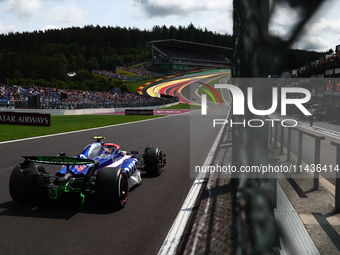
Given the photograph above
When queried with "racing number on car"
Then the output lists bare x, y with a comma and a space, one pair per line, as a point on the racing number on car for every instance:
80, 167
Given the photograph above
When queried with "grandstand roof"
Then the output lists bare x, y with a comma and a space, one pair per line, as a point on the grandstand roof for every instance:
190, 45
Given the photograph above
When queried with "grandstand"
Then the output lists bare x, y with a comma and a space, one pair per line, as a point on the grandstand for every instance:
182, 55
321, 77
327, 66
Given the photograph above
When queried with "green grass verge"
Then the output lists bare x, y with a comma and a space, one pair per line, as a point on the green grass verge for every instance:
61, 124
181, 106
132, 87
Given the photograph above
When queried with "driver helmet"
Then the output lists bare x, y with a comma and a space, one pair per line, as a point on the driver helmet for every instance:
106, 151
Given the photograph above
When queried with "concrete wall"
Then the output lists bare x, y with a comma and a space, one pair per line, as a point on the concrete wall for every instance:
89, 111
45, 111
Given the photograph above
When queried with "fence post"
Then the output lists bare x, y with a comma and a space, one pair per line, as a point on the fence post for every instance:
337, 182
273, 184
300, 150
337, 176
282, 137
289, 143
275, 135
316, 162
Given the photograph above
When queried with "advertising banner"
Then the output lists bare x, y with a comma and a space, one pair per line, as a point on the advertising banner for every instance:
28, 119
138, 112
176, 66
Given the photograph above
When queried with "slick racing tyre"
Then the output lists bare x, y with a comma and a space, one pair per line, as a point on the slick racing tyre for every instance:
112, 187
153, 160
23, 186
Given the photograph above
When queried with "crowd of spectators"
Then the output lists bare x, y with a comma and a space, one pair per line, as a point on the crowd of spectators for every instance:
332, 58
172, 52
8, 94
4, 93
328, 62
54, 98
110, 74
141, 71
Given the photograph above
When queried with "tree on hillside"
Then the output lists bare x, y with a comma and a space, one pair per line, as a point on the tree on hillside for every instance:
51, 54
83, 75
91, 64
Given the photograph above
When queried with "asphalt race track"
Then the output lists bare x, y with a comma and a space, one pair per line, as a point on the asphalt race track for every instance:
140, 228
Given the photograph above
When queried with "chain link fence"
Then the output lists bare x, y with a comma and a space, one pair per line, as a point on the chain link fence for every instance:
255, 51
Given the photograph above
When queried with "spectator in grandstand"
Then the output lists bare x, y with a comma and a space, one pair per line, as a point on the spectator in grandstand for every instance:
109, 74
143, 72
51, 98
191, 54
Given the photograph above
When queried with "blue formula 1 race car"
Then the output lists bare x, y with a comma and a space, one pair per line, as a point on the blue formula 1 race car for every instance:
101, 170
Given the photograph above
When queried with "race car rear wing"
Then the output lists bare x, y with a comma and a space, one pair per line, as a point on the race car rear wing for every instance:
58, 160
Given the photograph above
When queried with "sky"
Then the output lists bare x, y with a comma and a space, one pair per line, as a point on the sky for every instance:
320, 34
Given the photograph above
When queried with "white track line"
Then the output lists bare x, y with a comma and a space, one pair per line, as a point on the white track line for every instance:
227, 91
174, 236
202, 221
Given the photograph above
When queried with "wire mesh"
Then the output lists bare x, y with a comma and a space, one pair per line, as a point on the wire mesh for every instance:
255, 52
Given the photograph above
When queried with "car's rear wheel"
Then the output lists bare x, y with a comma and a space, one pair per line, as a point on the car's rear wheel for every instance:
23, 187
112, 187
153, 160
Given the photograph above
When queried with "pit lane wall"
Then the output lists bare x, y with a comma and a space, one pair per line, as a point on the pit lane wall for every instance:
55, 112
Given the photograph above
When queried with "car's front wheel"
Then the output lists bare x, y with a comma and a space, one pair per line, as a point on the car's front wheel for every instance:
112, 187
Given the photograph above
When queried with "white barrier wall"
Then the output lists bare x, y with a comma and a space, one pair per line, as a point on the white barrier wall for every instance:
45, 111
89, 111
54, 112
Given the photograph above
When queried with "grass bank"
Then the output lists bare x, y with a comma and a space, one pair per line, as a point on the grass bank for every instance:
132, 87
61, 124
181, 106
